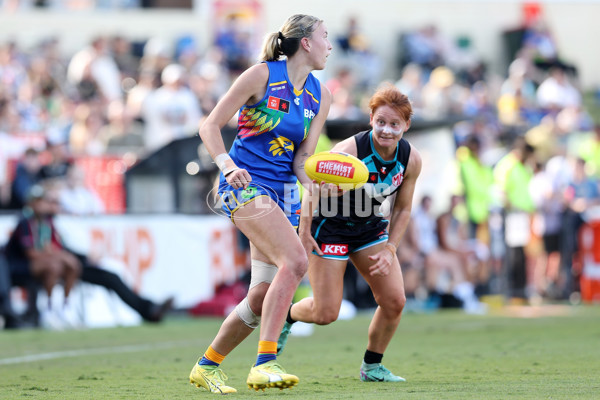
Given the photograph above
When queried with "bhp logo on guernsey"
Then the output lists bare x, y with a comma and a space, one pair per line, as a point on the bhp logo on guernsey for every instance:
334, 249
337, 168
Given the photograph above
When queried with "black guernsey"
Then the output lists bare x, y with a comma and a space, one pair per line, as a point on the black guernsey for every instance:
385, 177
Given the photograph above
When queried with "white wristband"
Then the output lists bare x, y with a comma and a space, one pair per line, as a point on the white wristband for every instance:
221, 159
229, 170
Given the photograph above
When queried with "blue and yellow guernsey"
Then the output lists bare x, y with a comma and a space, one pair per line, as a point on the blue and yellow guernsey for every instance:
270, 131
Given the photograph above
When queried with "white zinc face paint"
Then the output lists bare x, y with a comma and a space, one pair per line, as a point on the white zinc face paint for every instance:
387, 130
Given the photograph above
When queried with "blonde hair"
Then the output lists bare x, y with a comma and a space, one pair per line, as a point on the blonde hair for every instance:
287, 41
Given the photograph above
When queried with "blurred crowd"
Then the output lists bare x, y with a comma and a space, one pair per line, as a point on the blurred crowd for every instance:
528, 164
527, 148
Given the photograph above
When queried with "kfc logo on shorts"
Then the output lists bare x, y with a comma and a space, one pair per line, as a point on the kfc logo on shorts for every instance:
334, 249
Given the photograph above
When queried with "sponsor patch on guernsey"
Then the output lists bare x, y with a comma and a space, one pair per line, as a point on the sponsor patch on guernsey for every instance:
275, 103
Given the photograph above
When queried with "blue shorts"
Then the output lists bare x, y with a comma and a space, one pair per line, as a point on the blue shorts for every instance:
286, 195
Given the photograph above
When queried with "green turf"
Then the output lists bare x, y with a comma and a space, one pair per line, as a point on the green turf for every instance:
444, 355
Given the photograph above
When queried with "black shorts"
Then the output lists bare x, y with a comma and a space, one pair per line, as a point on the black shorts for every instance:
551, 242
337, 239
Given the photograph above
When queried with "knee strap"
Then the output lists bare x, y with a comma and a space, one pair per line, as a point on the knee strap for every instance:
246, 314
261, 272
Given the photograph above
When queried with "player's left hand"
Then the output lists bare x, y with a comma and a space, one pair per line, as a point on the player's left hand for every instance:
383, 263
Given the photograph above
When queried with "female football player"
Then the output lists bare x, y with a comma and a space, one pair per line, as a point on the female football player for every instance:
356, 230
282, 109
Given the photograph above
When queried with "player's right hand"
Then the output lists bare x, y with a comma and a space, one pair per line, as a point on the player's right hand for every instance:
330, 190
309, 243
239, 178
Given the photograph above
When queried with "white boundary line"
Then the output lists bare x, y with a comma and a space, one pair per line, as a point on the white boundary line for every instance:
93, 351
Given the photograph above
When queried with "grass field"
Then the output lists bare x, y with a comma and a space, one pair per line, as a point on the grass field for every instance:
552, 354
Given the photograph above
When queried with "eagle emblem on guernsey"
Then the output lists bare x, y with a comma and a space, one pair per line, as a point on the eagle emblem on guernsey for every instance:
281, 145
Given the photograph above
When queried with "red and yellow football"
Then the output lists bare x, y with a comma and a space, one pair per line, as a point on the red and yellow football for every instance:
337, 168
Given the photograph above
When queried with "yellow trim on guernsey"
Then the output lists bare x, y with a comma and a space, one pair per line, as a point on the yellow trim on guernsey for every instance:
313, 97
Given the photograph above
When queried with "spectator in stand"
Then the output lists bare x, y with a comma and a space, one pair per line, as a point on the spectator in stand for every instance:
581, 195
411, 262
583, 190
157, 54
352, 39
76, 198
210, 79
84, 133
32, 117
517, 95
477, 181
556, 92
233, 38
204, 85
147, 82
121, 134
343, 79
547, 195
121, 50
538, 39
26, 175
453, 238
358, 56
480, 104
171, 111
512, 175
13, 72
94, 65
45, 84
465, 61
343, 107
60, 160
30, 254
186, 53
411, 82
35, 251
590, 152
55, 64
441, 96
421, 50
444, 272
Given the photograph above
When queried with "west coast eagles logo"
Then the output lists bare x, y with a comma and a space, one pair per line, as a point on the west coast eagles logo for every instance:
281, 145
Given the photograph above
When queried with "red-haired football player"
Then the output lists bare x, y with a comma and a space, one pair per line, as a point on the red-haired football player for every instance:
351, 226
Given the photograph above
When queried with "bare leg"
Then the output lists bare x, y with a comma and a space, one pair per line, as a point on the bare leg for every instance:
71, 271
327, 283
276, 239
47, 270
389, 294
234, 331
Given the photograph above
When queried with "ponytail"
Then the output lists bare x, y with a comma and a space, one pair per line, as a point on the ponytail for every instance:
287, 41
